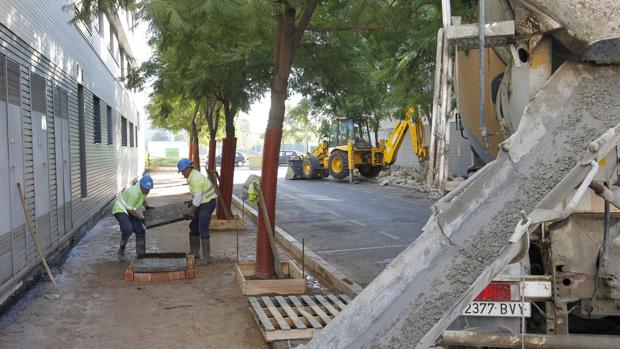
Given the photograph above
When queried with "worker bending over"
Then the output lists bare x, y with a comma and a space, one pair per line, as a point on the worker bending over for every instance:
203, 205
129, 219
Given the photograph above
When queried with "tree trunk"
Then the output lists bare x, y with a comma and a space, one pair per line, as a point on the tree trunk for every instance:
288, 37
194, 152
229, 150
212, 115
190, 152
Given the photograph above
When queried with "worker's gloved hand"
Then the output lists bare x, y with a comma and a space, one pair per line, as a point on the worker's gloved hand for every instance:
147, 207
191, 210
142, 220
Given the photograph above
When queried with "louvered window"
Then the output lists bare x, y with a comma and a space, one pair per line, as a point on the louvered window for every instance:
57, 101
2, 78
82, 138
64, 103
110, 126
123, 131
136, 137
96, 120
131, 135
37, 91
12, 79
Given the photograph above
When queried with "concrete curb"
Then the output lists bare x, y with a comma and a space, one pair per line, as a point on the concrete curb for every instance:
314, 263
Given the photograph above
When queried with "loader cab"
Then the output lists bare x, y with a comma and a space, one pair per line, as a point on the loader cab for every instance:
342, 130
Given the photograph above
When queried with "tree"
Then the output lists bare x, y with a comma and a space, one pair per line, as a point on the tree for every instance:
299, 125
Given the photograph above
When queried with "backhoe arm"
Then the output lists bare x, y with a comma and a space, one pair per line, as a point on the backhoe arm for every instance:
394, 141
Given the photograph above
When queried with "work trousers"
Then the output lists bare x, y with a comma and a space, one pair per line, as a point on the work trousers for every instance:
201, 220
130, 225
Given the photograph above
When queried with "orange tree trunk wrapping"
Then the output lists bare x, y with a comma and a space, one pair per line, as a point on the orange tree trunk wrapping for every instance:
229, 149
271, 152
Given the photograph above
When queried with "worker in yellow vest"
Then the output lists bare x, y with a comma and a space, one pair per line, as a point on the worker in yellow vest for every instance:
203, 205
130, 220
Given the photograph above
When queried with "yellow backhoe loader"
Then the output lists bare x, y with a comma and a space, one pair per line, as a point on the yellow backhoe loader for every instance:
348, 147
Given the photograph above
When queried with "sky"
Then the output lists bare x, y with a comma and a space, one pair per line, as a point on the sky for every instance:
259, 112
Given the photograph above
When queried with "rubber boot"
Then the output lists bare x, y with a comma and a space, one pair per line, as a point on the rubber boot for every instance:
206, 252
121, 250
194, 246
140, 246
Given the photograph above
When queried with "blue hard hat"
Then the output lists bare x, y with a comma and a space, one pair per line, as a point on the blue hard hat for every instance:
146, 183
183, 164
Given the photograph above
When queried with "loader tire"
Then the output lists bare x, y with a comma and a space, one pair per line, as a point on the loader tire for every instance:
338, 164
369, 171
311, 168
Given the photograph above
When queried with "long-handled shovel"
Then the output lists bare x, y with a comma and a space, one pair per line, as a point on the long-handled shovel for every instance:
36, 245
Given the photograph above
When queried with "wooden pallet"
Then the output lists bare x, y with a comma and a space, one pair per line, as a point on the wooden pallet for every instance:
295, 317
162, 275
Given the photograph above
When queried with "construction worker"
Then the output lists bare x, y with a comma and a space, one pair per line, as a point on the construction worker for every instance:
201, 209
130, 220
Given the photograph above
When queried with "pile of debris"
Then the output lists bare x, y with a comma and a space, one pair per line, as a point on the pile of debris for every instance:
407, 177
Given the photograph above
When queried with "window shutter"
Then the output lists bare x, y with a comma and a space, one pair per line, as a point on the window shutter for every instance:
2, 78
13, 76
37, 91
96, 120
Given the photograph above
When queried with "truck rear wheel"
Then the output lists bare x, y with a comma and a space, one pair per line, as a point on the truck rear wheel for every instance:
369, 171
338, 164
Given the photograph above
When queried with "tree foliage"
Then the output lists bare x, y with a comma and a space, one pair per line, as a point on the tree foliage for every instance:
300, 123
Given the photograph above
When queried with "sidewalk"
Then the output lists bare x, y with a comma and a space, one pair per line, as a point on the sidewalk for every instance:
98, 309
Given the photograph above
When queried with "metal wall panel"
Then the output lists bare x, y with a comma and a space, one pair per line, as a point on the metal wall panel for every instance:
68, 45
16, 162
6, 251
40, 160
35, 112
15, 139
5, 188
6, 257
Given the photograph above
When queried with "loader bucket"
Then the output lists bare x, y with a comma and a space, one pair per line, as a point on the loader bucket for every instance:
295, 169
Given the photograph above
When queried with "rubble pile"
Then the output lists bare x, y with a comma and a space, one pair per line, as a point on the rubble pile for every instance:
407, 177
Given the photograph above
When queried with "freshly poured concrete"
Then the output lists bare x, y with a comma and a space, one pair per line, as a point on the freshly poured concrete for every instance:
465, 243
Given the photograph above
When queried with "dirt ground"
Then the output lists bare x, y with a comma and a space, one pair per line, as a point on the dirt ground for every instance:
98, 309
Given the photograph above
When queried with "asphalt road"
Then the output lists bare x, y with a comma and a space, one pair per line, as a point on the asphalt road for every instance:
358, 228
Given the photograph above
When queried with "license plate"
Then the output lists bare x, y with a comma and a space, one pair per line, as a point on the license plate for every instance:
499, 309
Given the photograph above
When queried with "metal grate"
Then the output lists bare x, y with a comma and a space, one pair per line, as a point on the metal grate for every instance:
3, 78
131, 144
97, 119
64, 104
37, 90
123, 131
56, 101
82, 142
13, 86
110, 126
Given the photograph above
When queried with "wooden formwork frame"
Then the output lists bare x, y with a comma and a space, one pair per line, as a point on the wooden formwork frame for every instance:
296, 284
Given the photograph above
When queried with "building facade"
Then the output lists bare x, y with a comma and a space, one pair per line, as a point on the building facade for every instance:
70, 131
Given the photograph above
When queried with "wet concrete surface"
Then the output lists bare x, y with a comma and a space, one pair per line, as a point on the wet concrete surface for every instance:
358, 228
98, 309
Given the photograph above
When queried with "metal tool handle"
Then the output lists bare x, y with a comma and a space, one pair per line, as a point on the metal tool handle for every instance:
34, 236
